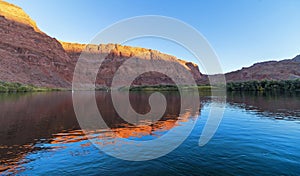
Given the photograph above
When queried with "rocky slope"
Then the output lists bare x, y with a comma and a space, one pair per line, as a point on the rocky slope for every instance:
29, 56
15, 13
118, 54
270, 70
297, 58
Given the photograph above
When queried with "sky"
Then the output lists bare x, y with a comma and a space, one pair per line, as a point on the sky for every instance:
241, 32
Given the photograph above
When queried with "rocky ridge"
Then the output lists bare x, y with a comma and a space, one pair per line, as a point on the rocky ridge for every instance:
27, 55
271, 70
118, 54
15, 13
30, 56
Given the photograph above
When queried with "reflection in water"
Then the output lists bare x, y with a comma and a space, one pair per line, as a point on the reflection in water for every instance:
33, 124
285, 106
30, 120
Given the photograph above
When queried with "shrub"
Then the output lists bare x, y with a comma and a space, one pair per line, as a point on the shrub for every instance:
265, 85
3, 88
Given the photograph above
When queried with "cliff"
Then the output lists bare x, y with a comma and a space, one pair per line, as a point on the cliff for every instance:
29, 56
119, 54
270, 70
15, 13
297, 58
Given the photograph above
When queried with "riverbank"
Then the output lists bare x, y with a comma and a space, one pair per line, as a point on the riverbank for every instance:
265, 85
10, 87
246, 86
167, 88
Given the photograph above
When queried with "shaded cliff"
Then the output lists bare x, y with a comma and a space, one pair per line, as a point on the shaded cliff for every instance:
270, 70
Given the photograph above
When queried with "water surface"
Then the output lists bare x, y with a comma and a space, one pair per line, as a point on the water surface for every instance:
259, 134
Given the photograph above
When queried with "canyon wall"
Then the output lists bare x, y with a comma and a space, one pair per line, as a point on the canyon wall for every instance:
30, 56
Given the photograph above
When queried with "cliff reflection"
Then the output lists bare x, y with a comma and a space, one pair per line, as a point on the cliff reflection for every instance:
280, 106
30, 120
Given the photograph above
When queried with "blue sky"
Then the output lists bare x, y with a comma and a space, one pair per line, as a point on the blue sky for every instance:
241, 32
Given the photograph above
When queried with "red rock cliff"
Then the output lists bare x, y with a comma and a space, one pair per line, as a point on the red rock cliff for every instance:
30, 56
119, 54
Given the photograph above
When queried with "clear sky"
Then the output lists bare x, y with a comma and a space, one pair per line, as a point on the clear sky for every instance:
241, 32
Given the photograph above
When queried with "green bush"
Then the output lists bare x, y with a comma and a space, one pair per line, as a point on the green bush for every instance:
18, 87
25, 88
265, 85
3, 88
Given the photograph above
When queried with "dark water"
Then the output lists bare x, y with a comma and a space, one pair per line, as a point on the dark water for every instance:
259, 135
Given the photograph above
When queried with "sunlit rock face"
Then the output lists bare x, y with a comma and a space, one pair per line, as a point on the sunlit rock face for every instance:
30, 56
27, 55
116, 55
15, 13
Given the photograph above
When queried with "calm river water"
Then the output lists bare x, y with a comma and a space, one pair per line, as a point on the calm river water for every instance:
258, 135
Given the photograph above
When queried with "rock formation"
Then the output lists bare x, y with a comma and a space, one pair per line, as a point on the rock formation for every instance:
270, 70
30, 56
27, 55
118, 54
15, 13
297, 58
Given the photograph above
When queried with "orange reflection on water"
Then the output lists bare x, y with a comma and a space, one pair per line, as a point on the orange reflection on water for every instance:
29, 124
126, 131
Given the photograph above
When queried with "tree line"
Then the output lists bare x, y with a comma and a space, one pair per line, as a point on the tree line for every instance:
10, 87
265, 85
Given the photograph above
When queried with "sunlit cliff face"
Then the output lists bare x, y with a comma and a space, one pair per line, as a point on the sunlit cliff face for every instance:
15, 13
29, 56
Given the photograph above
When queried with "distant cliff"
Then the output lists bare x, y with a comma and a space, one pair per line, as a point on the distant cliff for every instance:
270, 70
297, 59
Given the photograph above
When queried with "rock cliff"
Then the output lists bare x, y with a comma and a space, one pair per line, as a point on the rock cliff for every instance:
30, 56
27, 55
119, 54
270, 70
15, 13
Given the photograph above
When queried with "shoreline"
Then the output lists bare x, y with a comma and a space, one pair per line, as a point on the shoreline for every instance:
247, 86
